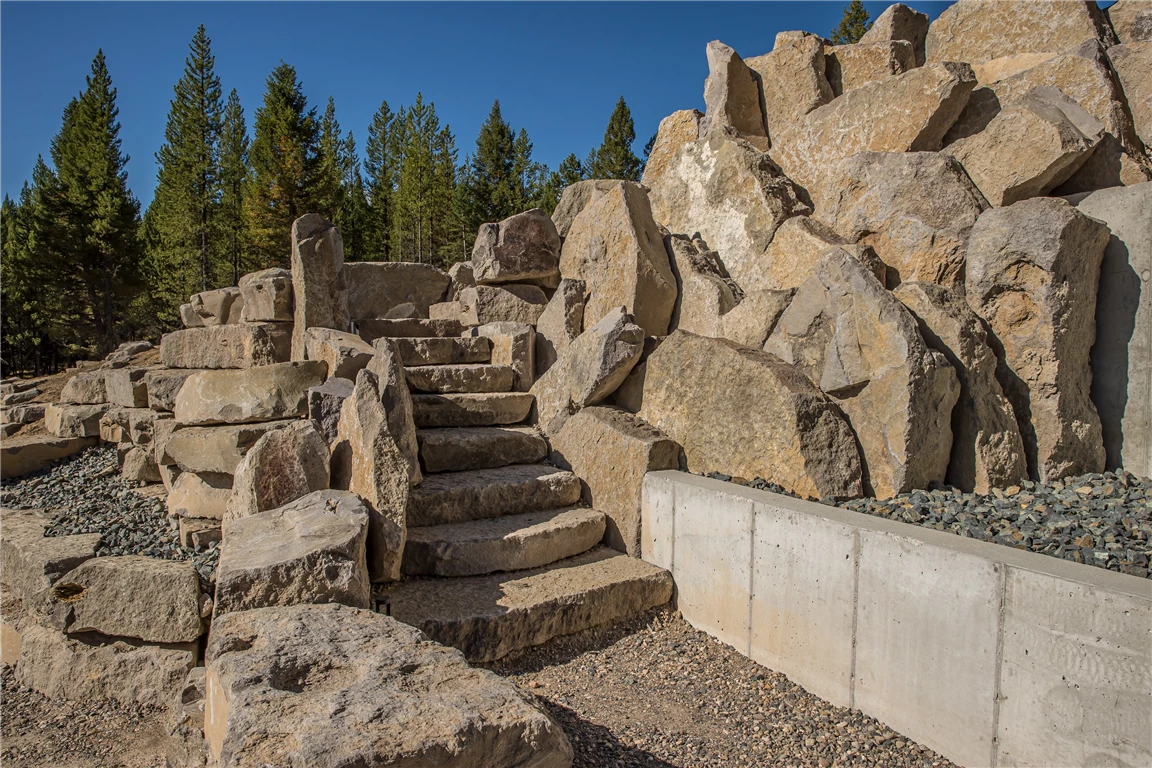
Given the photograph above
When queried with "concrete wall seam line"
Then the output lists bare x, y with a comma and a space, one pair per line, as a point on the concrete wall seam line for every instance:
1000, 628
855, 615
751, 576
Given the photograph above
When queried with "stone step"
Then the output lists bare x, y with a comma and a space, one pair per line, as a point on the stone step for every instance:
457, 497
459, 448
372, 329
471, 409
510, 543
444, 351
442, 379
488, 617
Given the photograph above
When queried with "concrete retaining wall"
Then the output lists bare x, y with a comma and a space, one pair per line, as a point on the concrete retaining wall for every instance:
989, 655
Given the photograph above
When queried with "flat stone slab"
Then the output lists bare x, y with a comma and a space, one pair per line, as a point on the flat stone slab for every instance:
488, 617
509, 543
74, 420
444, 351
460, 448
471, 409
21, 456
457, 497
263, 393
29, 561
329, 685
408, 327
460, 378
213, 449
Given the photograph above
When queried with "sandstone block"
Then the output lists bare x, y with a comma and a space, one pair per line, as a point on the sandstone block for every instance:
126, 387
1131, 19
560, 323
22, 414
793, 82
457, 497
512, 345
512, 303
266, 393
200, 495
732, 98
267, 296
576, 198
460, 378
86, 388
324, 403
210, 449
139, 466
1133, 65
73, 420
345, 353
848, 67
796, 249
124, 353
318, 288
185, 747
899, 22
464, 448
752, 320
199, 533
376, 288
371, 330
33, 562
524, 248
20, 456
472, 409
163, 384
674, 131
223, 306
444, 351
282, 466
228, 346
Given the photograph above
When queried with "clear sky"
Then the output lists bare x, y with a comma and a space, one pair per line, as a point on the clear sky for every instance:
557, 68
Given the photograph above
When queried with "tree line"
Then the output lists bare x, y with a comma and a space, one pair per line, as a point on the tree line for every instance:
81, 268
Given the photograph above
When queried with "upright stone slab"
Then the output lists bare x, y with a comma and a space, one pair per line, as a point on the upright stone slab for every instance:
560, 323
793, 82
377, 288
732, 97
705, 292
899, 22
282, 466
460, 276
324, 403
318, 287
674, 131
524, 248
267, 296
266, 393
1131, 19
576, 198
1133, 65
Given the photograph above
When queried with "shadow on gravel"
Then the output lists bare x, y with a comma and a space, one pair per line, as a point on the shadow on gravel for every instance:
595, 746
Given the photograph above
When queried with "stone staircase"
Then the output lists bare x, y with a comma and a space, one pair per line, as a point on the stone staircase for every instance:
500, 556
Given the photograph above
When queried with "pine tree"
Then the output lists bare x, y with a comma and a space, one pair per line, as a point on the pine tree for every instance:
327, 193
614, 158
494, 191
647, 153
354, 211
569, 172
853, 24
380, 181
426, 169
233, 155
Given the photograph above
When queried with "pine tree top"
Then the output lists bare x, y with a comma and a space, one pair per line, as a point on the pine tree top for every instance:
853, 24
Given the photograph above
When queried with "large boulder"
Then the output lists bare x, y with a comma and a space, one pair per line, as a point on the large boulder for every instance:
848, 67
267, 296
377, 288
617, 249
86, 388
987, 451
282, 466
223, 306
524, 248
856, 342
345, 353
732, 100
163, 384
752, 320
138, 465
674, 131
355, 687
1133, 65
796, 249
209, 449
705, 292
793, 81
1131, 20
127, 387
318, 288
311, 550
202, 495
74, 420
266, 393
576, 198
512, 303
33, 562
123, 354
227, 346
1033, 272
560, 323
899, 22
460, 276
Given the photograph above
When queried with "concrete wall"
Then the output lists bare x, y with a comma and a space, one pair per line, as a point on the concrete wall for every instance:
988, 655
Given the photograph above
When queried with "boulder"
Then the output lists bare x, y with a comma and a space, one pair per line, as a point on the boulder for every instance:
124, 353
617, 249
376, 288
210, 449
460, 276
732, 99
560, 323
33, 562
126, 387
704, 292
153, 600
16, 398
743, 412
915, 209
226, 346
22, 455
473, 409
676, 130
611, 450
86, 388
899, 22
282, 466
987, 451
134, 425
73, 420
576, 198
757, 197
266, 393
318, 289
1133, 65
345, 353
1131, 20
310, 550
139, 466
512, 303
267, 296
22, 414
847, 67
445, 312
590, 370
793, 82
444, 379
199, 533
355, 687
1033, 272
448, 350
513, 345
752, 320
797, 247
163, 384
858, 344
371, 330
324, 403
524, 248
189, 318
223, 306
201, 495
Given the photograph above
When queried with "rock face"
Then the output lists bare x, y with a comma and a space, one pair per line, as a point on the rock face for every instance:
362, 689
524, 248
611, 450
733, 196
515, 303
1133, 65
575, 199
675, 131
311, 550
85, 388
226, 346
127, 387
848, 67
795, 250
345, 353
282, 466
753, 319
267, 296
1033, 272
793, 81
560, 323
265, 393
222, 306
899, 22
460, 276
915, 209
705, 292
211, 449
862, 347
376, 288
1132, 20
33, 562
324, 403
743, 412
318, 285
590, 370
615, 247
203, 495
732, 98
987, 451
153, 600
163, 384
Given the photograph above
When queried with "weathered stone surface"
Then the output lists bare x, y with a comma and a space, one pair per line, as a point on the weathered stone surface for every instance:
456, 497
163, 384
471, 409
1131, 20
793, 82
210, 449
265, 393
704, 292
153, 600
915, 209
752, 320
226, 346
560, 323
856, 342
796, 249
899, 22
16, 398
1033, 271
460, 276
126, 387
134, 425
445, 351
22, 414
20, 456
86, 388
611, 450
377, 693
32, 562
462, 448
345, 353
732, 98
987, 451
448, 311
371, 330
460, 378
282, 466
200, 495
848, 67
743, 412
979, 30
677, 129
311, 550
124, 353
1029, 148
576, 198
512, 303
73, 420
617, 249
318, 289
590, 370
267, 296
324, 404
139, 466
513, 345
904, 113
222, 306
184, 723
376, 288
524, 248
1133, 65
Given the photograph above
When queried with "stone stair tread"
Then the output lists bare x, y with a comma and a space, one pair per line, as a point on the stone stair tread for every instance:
464, 377
461, 448
509, 543
488, 617
414, 327
456, 497
471, 409
443, 350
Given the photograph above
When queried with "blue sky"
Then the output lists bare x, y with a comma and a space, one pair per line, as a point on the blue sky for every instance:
557, 68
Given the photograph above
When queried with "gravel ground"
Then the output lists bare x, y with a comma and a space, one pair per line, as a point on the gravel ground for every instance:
656, 692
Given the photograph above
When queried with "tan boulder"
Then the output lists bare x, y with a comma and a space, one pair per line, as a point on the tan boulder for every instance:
460, 276
376, 288
33, 562
1133, 65
139, 466
513, 345
208, 449
126, 387
345, 353
524, 248
512, 303
318, 289
282, 466
324, 404
1033, 272
86, 388
223, 306
847, 67
265, 393
1131, 19
227, 346
617, 249
73, 420
704, 292
858, 344
163, 384
267, 296
676, 130
576, 198
22, 455
899, 22
134, 425
793, 81
1000, 69
732, 98
751, 321
560, 323
796, 249
202, 495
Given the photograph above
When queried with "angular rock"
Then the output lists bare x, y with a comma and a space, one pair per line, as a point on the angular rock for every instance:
345, 353
460, 378
16, 398
460, 276
674, 131
445, 351
512, 345
793, 81
463, 448
139, 466
899, 22
284, 465
189, 318
33, 562
311, 550
457, 497
267, 296
448, 311
265, 393
124, 353
202, 495
704, 292
134, 425
732, 98
560, 323
126, 387
1133, 65
576, 198
318, 289
371, 330
22, 455
471, 409
210, 449
86, 388
73, 420
377, 693
524, 248
324, 404
226, 346
513, 303
163, 384
376, 288
199, 533
223, 306
848, 67
1033, 272
22, 414
1131, 20
751, 322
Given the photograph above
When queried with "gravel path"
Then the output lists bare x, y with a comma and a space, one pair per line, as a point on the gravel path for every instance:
654, 692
